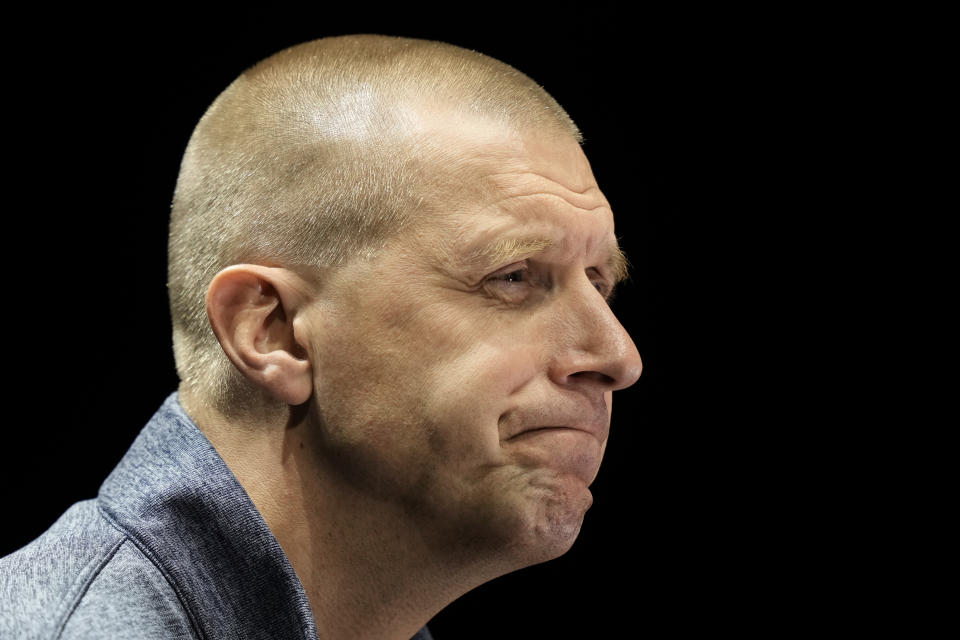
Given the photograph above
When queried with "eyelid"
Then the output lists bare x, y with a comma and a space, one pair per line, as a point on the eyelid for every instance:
511, 268
509, 291
599, 278
597, 275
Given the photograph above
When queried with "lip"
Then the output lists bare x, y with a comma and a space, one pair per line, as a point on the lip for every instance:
536, 431
587, 415
596, 425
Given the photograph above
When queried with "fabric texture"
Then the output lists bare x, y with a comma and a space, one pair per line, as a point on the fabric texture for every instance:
172, 547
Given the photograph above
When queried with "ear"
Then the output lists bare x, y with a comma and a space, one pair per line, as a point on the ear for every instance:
251, 310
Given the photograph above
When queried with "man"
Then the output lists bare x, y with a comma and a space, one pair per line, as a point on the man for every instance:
389, 266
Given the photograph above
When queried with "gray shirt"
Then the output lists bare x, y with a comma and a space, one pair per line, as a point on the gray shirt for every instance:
172, 547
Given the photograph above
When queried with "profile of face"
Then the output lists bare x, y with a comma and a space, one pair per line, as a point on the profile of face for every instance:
466, 372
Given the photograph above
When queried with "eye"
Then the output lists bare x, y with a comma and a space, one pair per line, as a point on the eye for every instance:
605, 290
517, 275
512, 284
601, 284
517, 272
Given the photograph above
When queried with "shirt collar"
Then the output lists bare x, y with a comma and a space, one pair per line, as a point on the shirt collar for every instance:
181, 505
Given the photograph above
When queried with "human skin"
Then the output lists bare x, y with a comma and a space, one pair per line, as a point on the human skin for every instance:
450, 406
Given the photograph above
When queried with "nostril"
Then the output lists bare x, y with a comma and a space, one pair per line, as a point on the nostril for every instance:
593, 376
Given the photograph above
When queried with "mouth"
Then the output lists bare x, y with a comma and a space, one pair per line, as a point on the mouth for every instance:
563, 419
541, 431
569, 451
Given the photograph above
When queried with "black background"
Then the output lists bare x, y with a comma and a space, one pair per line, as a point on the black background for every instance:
103, 106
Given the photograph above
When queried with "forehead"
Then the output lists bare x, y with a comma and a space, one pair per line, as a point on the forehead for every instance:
497, 191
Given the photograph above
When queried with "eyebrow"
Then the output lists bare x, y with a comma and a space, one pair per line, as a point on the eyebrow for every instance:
508, 249
511, 249
618, 263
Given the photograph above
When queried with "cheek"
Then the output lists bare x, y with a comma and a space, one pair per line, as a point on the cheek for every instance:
441, 372
446, 369
467, 396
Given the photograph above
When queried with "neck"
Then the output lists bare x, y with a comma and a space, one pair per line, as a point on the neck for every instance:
367, 568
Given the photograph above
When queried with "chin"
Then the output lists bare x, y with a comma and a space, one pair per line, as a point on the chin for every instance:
554, 516
523, 516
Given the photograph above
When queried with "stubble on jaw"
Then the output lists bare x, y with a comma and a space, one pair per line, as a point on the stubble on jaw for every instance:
511, 517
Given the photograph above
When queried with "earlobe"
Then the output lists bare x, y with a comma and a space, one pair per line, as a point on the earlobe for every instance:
252, 310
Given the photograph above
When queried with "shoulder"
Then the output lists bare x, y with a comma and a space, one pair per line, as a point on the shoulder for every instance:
84, 578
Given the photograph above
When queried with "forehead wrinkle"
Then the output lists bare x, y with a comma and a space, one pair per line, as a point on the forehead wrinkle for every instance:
590, 199
528, 172
540, 194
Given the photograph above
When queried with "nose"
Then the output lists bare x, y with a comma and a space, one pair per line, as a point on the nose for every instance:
595, 349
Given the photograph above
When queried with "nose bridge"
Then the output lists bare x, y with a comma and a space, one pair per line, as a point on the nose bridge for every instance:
595, 342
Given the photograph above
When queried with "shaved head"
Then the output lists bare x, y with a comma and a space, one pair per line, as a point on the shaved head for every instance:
315, 157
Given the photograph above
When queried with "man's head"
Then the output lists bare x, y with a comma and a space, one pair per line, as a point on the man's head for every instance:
316, 156
404, 241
